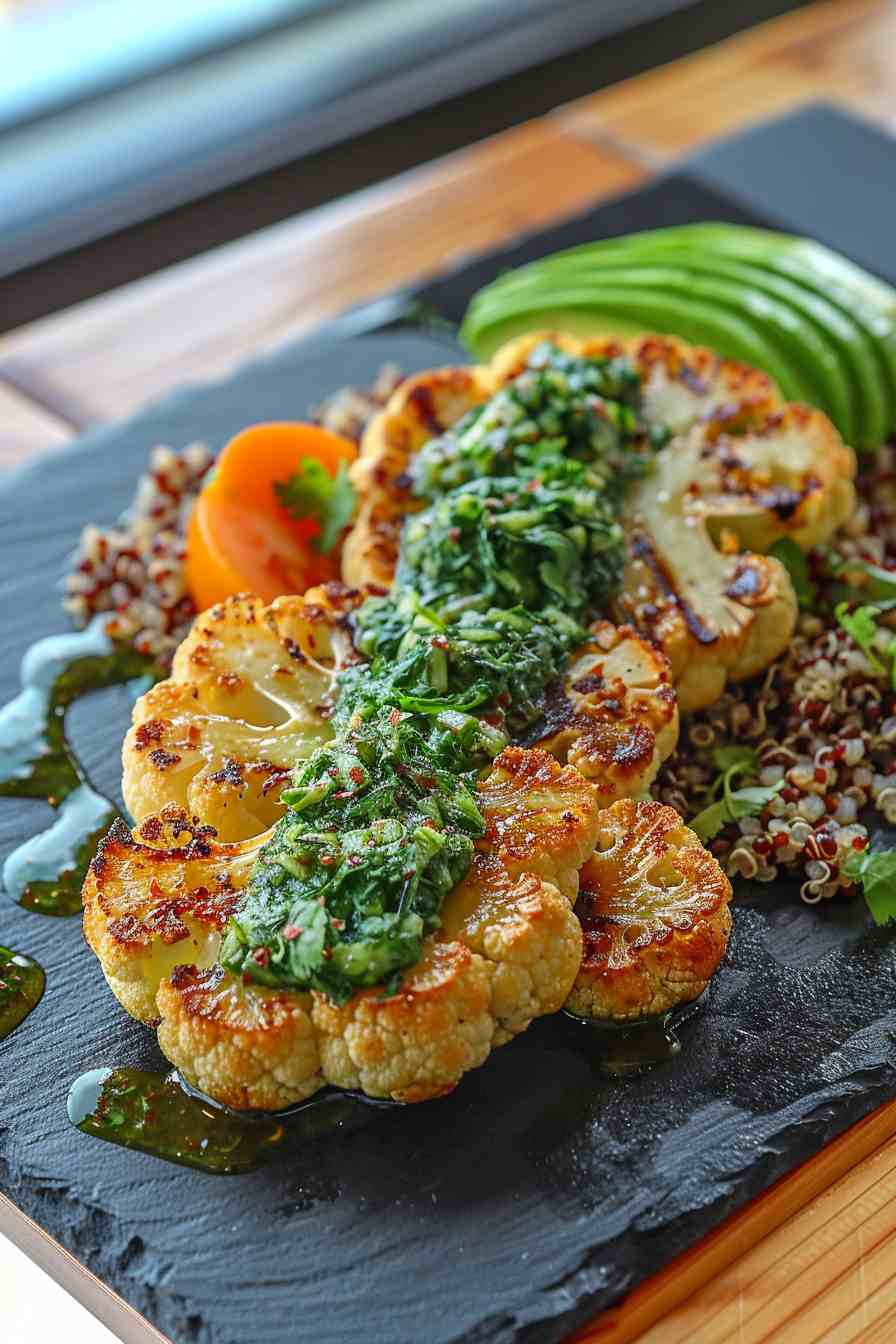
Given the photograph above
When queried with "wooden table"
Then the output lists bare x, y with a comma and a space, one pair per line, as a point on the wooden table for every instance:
815, 1259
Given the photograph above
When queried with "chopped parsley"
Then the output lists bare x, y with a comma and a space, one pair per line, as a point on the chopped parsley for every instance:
311, 492
517, 545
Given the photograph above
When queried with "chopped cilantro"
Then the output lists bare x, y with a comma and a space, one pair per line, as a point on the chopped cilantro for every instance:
311, 492
797, 566
875, 869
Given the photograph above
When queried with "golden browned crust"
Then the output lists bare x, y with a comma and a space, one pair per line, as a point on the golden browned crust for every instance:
247, 700
615, 715
654, 912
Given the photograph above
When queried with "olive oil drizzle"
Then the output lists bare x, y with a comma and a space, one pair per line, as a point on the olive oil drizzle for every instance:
138, 1109
45, 874
22, 983
620, 1048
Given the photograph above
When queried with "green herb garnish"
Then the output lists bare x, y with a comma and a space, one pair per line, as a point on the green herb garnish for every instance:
861, 626
311, 492
517, 544
876, 871
734, 803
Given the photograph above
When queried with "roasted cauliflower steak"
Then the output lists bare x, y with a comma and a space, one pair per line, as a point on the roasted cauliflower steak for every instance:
157, 900
741, 470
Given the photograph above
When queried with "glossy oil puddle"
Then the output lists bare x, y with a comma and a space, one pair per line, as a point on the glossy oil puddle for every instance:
45, 874
22, 983
161, 1116
619, 1048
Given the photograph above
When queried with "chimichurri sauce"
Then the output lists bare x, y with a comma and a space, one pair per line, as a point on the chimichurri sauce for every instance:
46, 873
21, 988
135, 1108
517, 544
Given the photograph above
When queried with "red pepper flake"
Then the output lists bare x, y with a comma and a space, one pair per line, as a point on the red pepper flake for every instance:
291, 932
832, 802
440, 642
394, 717
326, 861
261, 956
337, 924
820, 775
781, 839
860, 842
326, 953
356, 774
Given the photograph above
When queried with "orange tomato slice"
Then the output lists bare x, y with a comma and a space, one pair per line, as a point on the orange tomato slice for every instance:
240, 538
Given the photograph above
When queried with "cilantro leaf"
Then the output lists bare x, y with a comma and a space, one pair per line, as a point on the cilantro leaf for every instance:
731, 807
736, 754
861, 626
311, 492
797, 566
876, 870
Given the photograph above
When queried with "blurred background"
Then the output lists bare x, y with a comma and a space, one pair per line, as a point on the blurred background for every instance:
135, 135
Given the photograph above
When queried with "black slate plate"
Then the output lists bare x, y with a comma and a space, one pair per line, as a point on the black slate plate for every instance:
540, 1191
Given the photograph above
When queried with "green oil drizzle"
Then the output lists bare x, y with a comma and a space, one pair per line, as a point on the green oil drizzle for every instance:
21, 987
46, 873
619, 1048
135, 1108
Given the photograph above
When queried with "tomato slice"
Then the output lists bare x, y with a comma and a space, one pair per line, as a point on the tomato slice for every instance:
240, 538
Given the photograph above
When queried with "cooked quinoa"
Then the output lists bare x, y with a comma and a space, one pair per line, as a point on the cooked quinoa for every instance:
822, 720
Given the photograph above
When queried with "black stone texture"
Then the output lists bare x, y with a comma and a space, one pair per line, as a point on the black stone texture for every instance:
540, 1191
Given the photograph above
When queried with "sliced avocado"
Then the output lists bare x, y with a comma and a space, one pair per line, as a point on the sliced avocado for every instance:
624, 312
849, 341
809, 361
867, 300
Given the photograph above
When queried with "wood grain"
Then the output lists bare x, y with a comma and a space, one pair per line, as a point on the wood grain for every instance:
107, 356
840, 50
26, 428
813, 1259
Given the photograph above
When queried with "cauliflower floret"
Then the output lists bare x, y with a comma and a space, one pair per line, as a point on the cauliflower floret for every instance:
654, 913
160, 897
615, 716
247, 1046
156, 903
243, 705
416, 1044
715, 615
527, 934
539, 817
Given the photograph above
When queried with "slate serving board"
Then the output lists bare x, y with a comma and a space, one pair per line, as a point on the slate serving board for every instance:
540, 1191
